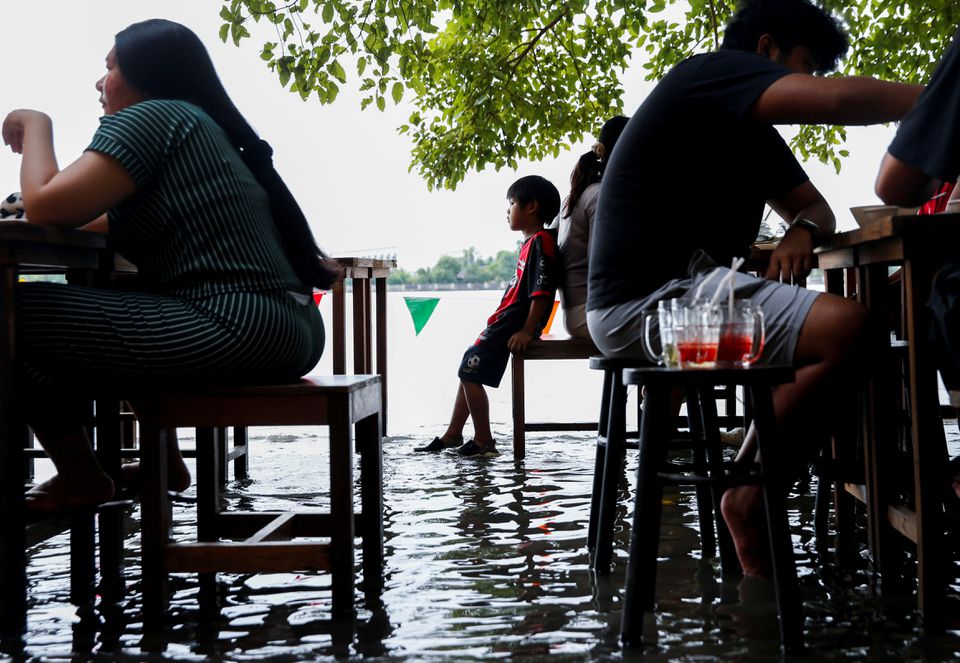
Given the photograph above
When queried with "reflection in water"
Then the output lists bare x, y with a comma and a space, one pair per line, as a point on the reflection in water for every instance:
485, 559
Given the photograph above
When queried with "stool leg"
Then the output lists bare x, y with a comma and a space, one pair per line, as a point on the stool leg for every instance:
612, 472
154, 522
210, 475
519, 410
110, 519
371, 500
82, 557
341, 508
708, 540
729, 564
645, 534
602, 428
83, 548
781, 545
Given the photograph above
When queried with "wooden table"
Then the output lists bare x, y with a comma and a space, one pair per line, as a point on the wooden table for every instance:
361, 271
26, 248
919, 245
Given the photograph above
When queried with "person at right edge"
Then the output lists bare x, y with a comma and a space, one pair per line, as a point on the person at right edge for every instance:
714, 115
924, 154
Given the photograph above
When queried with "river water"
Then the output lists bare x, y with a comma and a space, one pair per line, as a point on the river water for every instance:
485, 559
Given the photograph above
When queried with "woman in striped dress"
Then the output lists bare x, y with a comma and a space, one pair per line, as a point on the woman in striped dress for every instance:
225, 258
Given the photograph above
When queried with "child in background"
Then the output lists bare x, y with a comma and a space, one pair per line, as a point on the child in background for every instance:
523, 311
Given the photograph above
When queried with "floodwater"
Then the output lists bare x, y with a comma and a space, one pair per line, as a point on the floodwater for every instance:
484, 559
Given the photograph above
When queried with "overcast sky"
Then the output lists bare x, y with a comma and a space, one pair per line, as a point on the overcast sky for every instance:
347, 168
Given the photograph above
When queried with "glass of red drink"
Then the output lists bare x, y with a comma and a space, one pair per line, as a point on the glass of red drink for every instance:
741, 334
697, 334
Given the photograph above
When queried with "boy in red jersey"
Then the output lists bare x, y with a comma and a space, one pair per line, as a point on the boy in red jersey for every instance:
523, 311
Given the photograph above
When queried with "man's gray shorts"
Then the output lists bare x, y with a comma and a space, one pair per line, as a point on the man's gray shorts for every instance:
617, 330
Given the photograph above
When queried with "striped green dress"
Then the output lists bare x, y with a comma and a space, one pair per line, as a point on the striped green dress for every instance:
219, 302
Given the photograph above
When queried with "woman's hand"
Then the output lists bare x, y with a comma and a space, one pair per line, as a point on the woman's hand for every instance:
19, 123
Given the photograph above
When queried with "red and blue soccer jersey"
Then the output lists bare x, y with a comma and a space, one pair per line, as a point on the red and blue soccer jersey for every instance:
537, 275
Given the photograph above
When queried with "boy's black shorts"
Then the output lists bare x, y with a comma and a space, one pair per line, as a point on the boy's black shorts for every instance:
485, 362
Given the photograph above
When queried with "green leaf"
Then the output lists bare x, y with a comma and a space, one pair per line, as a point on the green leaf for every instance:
397, 92
327, 15
337, 71
381, 102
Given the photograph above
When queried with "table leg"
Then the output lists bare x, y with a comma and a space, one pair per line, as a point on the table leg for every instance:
339, 330
382, 347
879, 423
361, 304
929, 447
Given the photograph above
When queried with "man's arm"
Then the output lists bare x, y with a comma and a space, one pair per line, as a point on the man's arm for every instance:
802, 207
519, 341
803, 99
901, 184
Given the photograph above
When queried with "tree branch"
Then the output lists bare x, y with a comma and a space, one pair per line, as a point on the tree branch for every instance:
533, 42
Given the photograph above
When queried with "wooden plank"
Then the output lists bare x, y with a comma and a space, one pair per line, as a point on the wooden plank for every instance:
903, 520
560, 426
229, 557
280, 527
552, 347
857, 490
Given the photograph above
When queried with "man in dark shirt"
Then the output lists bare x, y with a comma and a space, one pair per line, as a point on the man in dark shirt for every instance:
924, 153
712, 118
926, 149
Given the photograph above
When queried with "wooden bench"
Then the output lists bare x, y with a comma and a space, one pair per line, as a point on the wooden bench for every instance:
340, 402
546, 347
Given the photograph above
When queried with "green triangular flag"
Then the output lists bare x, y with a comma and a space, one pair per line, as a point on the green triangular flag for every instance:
421, 308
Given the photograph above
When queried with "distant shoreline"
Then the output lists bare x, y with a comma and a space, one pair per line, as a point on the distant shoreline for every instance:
417, 287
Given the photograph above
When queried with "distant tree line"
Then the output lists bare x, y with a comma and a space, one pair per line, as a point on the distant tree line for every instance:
468, 268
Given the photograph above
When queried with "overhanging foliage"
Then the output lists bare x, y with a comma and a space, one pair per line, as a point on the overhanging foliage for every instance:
492, 82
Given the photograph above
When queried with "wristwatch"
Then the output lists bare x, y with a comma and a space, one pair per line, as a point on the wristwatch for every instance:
807, 224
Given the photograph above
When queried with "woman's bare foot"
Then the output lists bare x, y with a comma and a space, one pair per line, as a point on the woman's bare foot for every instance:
742, 509
178, 476
59, 494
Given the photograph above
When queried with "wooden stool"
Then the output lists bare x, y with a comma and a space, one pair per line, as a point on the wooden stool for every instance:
546, 347
654, 471
340, 402
613, 440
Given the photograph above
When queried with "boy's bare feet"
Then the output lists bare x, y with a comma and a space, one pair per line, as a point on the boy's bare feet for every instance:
743, 512
59, 494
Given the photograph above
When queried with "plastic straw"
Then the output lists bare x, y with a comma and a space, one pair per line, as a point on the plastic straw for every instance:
733, 268
728, 279
696, 295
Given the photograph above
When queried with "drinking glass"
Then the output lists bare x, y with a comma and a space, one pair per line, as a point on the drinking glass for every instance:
741, 334
696, 331
663, 349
